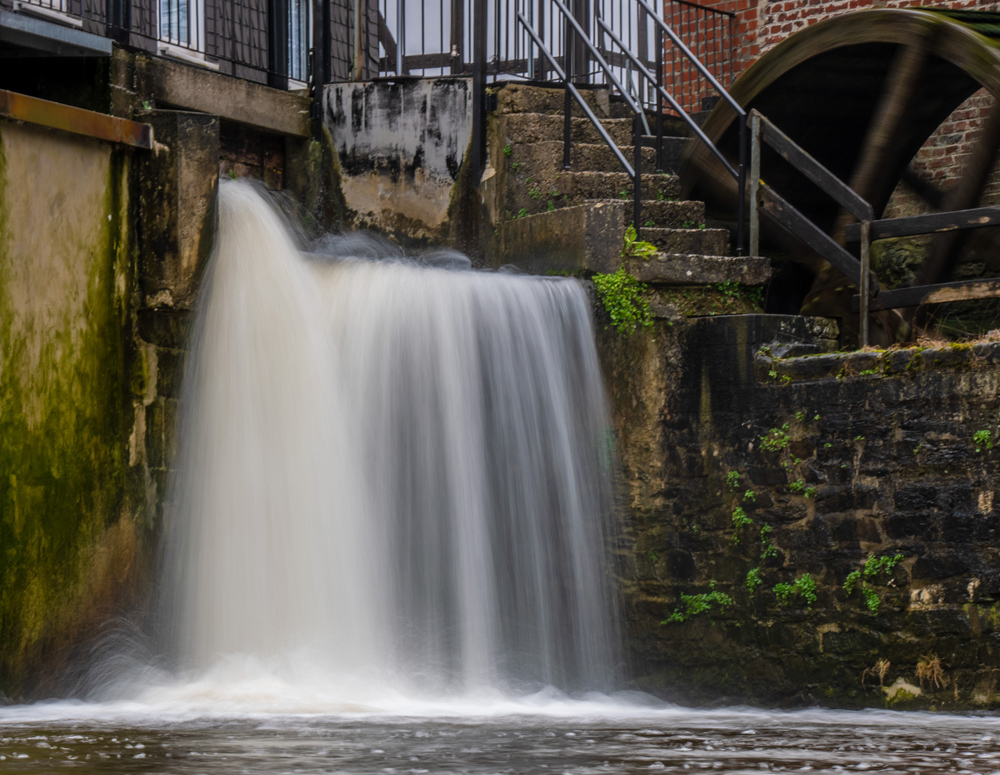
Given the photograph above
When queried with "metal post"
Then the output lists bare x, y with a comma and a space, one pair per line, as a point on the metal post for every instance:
637, 180
530, 48
457, 35
568, 102
658, 38
400, 35
866, 227
479, 32
755, 183
741, 209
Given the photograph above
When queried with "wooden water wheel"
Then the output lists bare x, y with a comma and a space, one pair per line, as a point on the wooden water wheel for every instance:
862, 93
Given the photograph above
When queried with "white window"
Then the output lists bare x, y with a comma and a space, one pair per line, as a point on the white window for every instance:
182, 31
299, 39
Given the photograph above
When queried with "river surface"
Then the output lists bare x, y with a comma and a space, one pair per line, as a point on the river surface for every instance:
540, 734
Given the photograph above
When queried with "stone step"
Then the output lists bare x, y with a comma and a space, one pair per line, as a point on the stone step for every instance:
705, 242
521, 98
616, 185
593, 157
686, 269
540, 127
687, 214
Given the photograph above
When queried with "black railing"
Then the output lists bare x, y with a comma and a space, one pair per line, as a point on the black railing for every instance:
437, 37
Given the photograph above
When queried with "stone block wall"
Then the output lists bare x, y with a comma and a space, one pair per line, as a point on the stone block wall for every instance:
755, 483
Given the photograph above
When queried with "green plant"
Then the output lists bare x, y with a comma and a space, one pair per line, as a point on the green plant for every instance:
750, 495
693, 605
551, 206
654, 557
146, 105
232, 174
810, 492
815, 418
733, 479
522, 213
768, 549
804, 586
633, 247
623, 194
753, 579
982, 439
872, 568
621, 296
859, 438
515, 165
800, 416
649, 224
687, 224
507, 150
776, 439
740, 519
797, 486
534, 193
659, 196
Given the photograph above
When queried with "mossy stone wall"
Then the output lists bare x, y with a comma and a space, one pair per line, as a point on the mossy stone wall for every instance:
743, 471
72, 490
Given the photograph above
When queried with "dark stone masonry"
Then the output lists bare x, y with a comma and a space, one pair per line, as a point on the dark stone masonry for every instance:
750, 461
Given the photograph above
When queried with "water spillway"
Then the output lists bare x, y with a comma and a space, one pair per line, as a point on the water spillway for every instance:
395, 473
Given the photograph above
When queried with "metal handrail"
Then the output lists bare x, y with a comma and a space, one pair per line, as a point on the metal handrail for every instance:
636, 108
692, 124
632, 172
741, 175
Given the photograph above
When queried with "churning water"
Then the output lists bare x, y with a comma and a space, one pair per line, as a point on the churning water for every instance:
388, 549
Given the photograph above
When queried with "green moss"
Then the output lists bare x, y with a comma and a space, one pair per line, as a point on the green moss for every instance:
65, 420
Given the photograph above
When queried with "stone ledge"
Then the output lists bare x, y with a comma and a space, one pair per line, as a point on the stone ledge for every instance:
236, 99
875, 364
686, 269
580, 238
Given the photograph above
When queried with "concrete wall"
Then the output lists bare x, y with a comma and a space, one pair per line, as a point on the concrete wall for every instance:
72, 491
829, 460
401, 145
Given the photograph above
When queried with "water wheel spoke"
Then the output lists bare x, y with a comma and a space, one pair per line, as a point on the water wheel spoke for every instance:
945, 248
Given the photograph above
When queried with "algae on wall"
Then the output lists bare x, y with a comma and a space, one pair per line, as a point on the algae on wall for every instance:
70, 491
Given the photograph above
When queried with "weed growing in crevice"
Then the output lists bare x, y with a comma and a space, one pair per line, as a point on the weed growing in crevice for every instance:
874, 566
693, 605
804, 586
621, 296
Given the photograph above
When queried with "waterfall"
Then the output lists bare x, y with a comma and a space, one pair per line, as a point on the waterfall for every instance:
396, 472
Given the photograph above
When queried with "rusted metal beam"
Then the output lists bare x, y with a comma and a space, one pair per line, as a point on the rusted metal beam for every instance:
89, 123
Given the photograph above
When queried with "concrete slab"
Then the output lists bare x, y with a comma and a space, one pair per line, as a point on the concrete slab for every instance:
581, 238
191, 88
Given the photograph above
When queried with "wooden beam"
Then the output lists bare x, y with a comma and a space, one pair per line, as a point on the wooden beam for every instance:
791, 152
815, 238
932, 223
932, 294
898, 96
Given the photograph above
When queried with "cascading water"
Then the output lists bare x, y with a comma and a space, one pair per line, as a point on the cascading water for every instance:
396, 474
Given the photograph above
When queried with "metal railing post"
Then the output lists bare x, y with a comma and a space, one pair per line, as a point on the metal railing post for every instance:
865, 289
400, 35
479, 31
637, 179
754, 183
567, 97
658, 37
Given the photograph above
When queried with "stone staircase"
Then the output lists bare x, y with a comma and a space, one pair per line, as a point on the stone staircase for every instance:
553, 220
